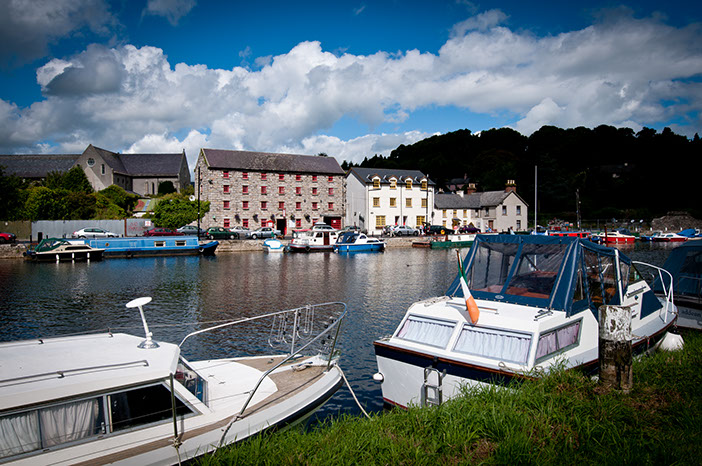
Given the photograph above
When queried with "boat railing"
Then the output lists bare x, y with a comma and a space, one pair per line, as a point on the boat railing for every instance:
667, 292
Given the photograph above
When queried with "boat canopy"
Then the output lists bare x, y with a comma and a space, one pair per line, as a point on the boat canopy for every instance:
685, 265
348, 237
561, 273
49, 244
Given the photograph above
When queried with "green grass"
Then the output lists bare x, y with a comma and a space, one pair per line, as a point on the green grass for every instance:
564, 418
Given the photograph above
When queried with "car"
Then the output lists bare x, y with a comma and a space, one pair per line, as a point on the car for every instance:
404, 230
158, 231
243, 232
468, 229
221, 233
7, 238
388, 230
265, 232
439, 230
322, 226
354, 228
191, 230
93, 232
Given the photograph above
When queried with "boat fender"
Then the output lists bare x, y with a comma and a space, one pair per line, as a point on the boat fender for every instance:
307, 249
201, 249
301, 367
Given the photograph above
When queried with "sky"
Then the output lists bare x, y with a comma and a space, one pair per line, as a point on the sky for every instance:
348, 78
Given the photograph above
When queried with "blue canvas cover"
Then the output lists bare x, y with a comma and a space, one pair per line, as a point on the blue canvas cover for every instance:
560, 273
685, 264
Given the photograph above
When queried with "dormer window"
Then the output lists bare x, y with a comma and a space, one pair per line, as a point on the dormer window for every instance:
424, 185
376, 183
393, 183
409, 183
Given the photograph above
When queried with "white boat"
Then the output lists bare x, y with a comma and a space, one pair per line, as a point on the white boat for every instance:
358, 242
320, 238
118, 398
670, 238
685, 266
619, 236
59, 249
273, 245
537, 300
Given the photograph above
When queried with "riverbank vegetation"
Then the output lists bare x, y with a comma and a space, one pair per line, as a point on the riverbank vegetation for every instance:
564, 418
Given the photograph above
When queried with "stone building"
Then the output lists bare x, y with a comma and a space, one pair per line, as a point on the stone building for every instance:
381, 196
254, 189
487, 211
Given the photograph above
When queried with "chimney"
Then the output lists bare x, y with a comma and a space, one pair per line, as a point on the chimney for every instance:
511, 186
471, 188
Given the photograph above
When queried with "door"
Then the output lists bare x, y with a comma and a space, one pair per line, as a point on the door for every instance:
281, 225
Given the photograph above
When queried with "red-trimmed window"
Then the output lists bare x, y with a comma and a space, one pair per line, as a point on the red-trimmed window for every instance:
281, 176
298, 206
264, 190
225, 174
245, 223
298, 177
331, 191
314, 191
264, 205
245, 189
226, 223
314, 177
263, 176
244, 175
298, 223
298, 190
330, 179
226, 205
281, 189
315, 205
331, 206
245, 205
225, 189
281, 205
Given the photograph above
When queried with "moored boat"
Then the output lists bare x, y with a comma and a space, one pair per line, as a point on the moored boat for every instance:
358, 242
670, 238
118, 398
59, 249
313, 240
535, 305
273, 245
685, 265
618, 236
149, 246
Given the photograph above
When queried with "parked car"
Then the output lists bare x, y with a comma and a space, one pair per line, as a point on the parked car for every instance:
354, 228
322, 226
439, 230
162, 232
93, 232
191, 230
265, 232
404, 230
243, 232
221, 233
7, 238
468, 229
388, 230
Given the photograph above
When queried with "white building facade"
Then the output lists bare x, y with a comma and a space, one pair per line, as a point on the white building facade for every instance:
376, 197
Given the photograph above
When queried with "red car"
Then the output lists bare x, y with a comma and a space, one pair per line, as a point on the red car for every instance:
7, 238
162, 232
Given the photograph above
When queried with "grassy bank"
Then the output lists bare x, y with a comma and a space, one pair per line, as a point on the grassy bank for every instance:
565, 418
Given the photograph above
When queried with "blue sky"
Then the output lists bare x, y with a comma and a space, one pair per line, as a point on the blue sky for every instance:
349, 78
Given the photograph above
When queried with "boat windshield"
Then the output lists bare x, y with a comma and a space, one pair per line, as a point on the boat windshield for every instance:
49, 244
348, 237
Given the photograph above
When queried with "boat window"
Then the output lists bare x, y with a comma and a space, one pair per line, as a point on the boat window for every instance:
503, 345
180, 243
537, 270
491, 266
601, 278
159, 244
557, 340
427, 331
191, 380
143, 405
51, 426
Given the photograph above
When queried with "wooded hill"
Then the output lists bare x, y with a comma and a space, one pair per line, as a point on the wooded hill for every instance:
618, 173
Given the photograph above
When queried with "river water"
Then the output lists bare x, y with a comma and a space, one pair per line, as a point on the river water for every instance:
41, 300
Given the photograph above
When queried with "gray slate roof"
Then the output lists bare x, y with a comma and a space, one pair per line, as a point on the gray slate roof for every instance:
470, 201
141, 164
36, 165
366, 175
269, 162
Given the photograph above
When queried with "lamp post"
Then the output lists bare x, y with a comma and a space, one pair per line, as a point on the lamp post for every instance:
199, 181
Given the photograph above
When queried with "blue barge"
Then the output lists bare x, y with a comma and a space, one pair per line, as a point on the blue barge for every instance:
149, 246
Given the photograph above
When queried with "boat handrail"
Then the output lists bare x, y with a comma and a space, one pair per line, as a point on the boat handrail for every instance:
669, 292
62, 373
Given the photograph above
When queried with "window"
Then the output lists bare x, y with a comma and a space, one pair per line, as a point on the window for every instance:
298, 177
393, 183
519, 210
264, 190
281, 177
298, 190
504, 210
298, 223
263, 176
314, 191
331, 191
281, 189
244, 175
408, 202
376, 202
225, 189
376, 183
393, 202
424, 203
315, 206
502, 345
380, 221
444, 213
424, 185
225, 174
314, 177
331, 206
408, 184
557, 340
245, 223
142, 406
420, 220
226, 204
465, 213
245, 189
330, 178
102, 169
519, 225
264, 205
455, 213
226, 224
281, 205
426, 331
245, 205
91, 162
298, 206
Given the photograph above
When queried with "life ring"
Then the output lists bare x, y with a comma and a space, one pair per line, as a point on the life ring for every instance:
307, 249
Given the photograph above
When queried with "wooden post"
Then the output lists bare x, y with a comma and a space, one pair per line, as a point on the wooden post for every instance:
615, 354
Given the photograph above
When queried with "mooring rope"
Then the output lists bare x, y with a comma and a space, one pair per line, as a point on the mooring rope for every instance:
352, 393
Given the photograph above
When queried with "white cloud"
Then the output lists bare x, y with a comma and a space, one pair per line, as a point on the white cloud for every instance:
622, 71
172, 10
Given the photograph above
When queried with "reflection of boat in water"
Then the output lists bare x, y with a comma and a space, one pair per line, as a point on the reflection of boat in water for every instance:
149, 246
535, 302
118, 398
358, 242
273, 245
59, 249
685, 265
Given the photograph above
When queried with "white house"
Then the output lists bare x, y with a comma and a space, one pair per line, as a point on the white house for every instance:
376, 197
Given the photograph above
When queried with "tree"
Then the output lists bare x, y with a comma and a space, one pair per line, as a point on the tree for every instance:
45, 204
75, 180
120, 197
174, 210
12, 196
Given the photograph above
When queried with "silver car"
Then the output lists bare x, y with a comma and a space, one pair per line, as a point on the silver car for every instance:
93, 232
404, 230
265, 232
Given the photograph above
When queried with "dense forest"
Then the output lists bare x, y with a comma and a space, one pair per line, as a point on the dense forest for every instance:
615, 172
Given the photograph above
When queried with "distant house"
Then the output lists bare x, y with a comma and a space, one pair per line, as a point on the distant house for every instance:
376, 197
138, 173
254, 189
487, 211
